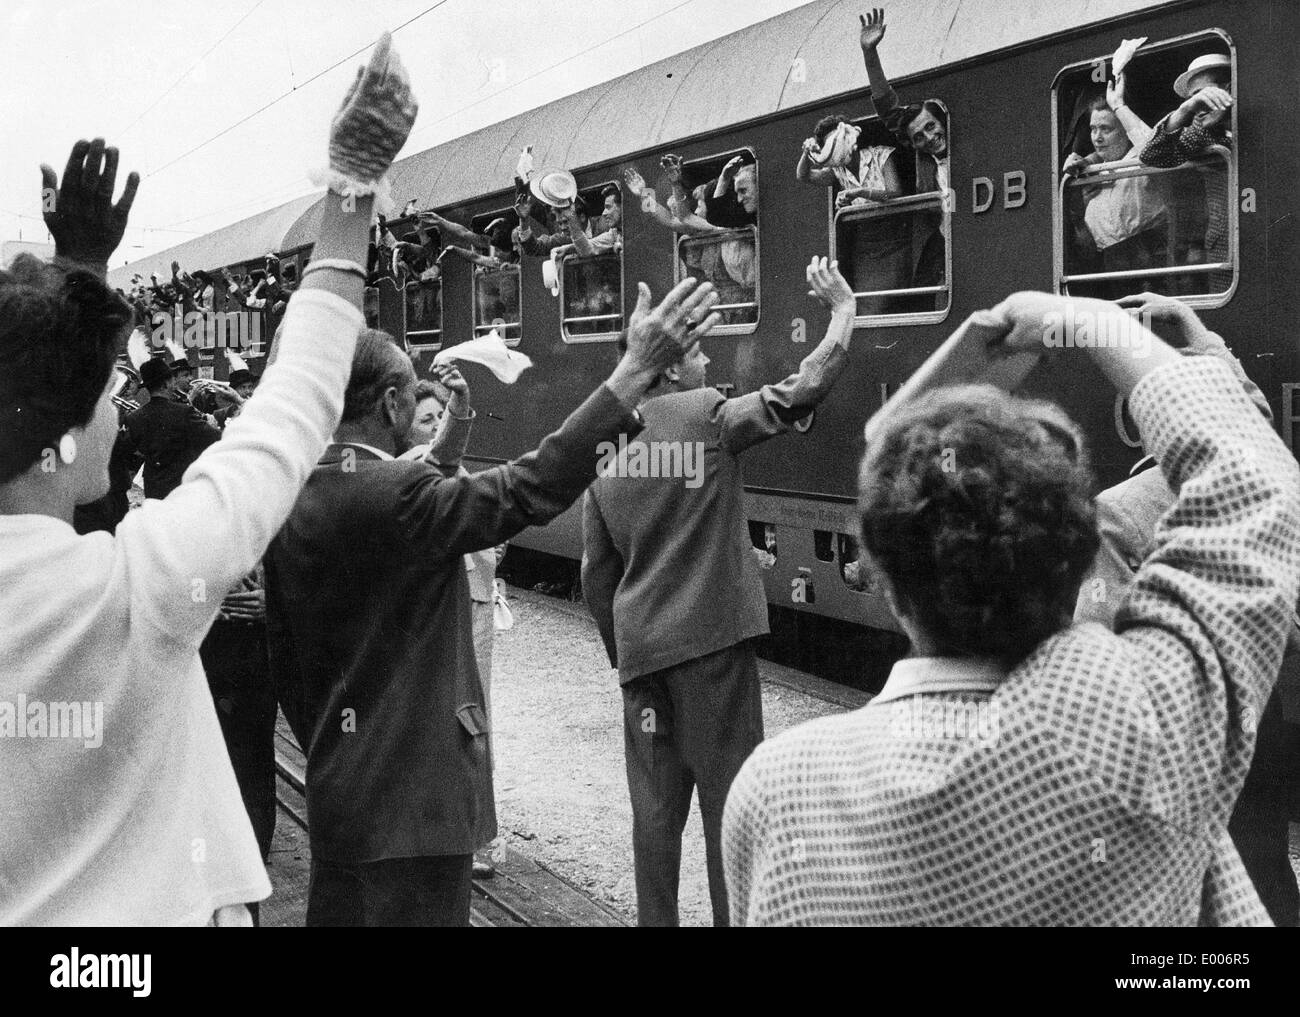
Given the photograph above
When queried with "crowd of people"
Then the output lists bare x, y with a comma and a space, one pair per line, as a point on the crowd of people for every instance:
327, 553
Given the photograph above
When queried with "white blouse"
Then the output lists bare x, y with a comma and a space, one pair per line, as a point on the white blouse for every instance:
118, 804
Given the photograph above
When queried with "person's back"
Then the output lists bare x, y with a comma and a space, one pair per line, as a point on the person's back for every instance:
673, 503
170, 436
669, 576
1016, 770
380, 646
370, 631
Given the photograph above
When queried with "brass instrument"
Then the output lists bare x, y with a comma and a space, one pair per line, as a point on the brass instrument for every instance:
129, 375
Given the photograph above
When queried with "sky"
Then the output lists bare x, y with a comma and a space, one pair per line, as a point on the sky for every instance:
223, 108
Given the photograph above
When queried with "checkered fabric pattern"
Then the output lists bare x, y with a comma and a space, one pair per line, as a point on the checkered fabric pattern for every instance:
1103, 796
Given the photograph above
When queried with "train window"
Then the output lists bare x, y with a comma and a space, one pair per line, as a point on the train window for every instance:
1139, 207
496, 302
412, 263
763, 538
422, 307
729, 256
856, 569
496, 281
897, 253
591, 285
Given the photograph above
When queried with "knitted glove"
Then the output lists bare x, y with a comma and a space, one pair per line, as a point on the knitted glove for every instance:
371, 127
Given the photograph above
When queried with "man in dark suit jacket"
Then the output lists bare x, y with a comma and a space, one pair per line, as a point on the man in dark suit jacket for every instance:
370, 632
670, 576
169, 435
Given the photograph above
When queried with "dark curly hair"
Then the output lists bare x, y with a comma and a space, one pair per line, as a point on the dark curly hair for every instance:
900, 118
60, 330
978, 507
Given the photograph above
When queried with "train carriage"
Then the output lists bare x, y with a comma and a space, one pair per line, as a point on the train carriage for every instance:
1012, 82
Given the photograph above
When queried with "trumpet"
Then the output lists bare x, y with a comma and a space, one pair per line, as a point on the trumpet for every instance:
128, 375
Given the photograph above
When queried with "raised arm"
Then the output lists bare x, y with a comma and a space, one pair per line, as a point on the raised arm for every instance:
688, 223
805, 172
883, 96
727, 175
449, 444
1210, 607
1180, 136
581, 242
1137, 129
444, 517
757, 416
80, 215
216, 525
455, 230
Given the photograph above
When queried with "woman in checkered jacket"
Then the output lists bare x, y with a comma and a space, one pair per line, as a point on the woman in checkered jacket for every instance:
1018, 769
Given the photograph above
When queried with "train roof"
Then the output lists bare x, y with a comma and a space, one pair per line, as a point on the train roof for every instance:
740, 77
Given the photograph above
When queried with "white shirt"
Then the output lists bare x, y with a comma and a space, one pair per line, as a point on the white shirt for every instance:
147, 827
1123, 208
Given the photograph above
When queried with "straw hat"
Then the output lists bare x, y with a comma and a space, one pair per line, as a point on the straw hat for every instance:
1199, 66
556, 188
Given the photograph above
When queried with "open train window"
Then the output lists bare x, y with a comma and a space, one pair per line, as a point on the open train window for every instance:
496, 288
763, 538
1139, 206
728, 256
591, 283
897, 253
422, 304
416, 268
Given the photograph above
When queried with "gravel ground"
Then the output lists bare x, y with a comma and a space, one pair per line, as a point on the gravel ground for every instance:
561, 787
560, 783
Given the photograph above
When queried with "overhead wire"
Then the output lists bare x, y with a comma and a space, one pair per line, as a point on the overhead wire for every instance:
186, 74
284, 95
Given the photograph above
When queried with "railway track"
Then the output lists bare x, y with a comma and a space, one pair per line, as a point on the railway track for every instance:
523, 894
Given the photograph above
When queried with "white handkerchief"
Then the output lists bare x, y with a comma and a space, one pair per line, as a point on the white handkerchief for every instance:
1124, 54
137, 346
175, 350
490, 351
524, 167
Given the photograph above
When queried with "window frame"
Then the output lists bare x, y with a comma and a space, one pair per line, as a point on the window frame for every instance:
947, 203
476, 270
479, 271
679, 270
594, 337
1198, 301
418, 348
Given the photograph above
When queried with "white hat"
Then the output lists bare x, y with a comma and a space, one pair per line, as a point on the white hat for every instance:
1199, 66
555, 187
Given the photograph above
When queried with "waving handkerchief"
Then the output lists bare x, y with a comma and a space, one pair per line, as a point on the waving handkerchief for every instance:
174, 349
492, 353
1124, 54
137, 347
